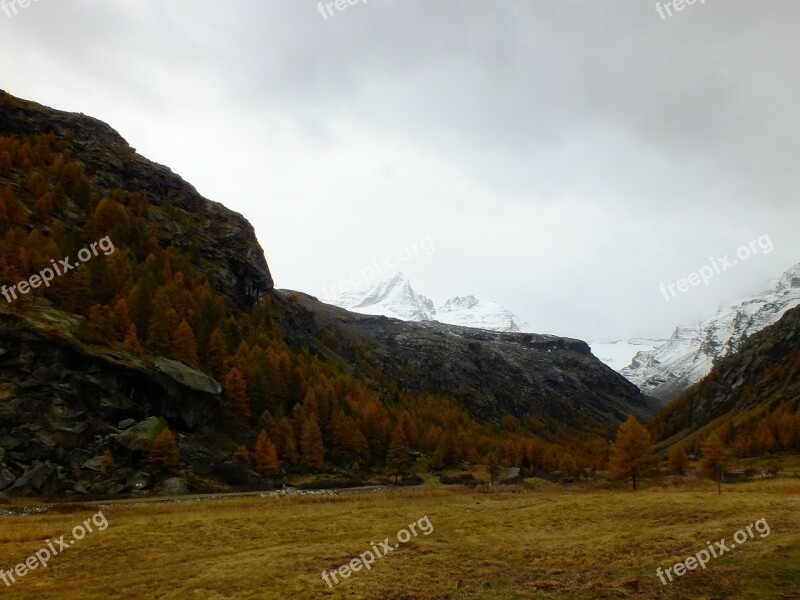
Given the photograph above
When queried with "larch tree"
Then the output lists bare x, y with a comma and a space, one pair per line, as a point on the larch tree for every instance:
120, 319
236, 393
184, 345
399, 459
99, 329
678, 462
132, 339
286, 442
347, 440
265, 456
567, 464
312, 446
216, 354
493, 466
163, 453
242, 455
632, 455
163, 321
445, 455
715, 458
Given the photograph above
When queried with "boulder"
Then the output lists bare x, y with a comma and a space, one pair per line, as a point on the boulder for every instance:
187, 377
6, 478
33, 479
96, 464
172, 487
512, 476
139, 437
235, 473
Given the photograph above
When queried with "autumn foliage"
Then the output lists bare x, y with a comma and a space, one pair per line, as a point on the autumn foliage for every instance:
163, 453
265, 456
632, 456
291, 409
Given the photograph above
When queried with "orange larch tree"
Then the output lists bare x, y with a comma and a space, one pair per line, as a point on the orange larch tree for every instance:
236, 393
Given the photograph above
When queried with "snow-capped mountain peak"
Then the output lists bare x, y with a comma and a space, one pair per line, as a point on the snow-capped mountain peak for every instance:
459, 303
689, 354
396, 298
393, 297
470, 312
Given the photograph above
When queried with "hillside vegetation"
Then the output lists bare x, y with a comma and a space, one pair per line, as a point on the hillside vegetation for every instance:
174, 333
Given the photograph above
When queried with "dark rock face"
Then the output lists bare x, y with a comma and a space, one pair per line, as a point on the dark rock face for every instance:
57, 403
554, 379
224, 240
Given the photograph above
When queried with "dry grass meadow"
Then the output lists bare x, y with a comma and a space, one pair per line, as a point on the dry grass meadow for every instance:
511, 544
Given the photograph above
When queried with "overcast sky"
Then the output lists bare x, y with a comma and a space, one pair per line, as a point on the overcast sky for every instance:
564, 158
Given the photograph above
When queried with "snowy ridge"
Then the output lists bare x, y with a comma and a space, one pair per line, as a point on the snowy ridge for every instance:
397, 299
392, 298
618, 354
689, 354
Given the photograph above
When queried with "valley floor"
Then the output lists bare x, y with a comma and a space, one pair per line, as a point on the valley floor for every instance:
512, 544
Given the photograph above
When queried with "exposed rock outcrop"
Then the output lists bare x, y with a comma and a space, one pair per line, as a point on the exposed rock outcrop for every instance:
223, 241
59, 398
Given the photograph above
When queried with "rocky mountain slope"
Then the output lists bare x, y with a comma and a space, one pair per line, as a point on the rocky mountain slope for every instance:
554, 380
396, 298
665, 372
748, 386
93, 369
221, 241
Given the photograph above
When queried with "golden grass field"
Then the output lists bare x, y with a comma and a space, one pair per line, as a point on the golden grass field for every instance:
543, 543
